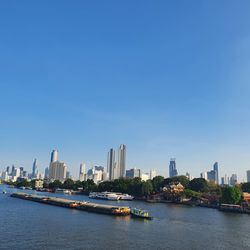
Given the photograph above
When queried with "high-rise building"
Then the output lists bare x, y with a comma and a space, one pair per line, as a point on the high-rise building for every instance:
57, 171
216, 169
82, 172
54, 156
133, 173
233, 180
248, 175
121, 166
111, 164
172, 168
152, 174
34, 169
46, 173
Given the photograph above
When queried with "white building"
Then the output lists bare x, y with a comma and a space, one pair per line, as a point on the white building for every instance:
144, 177
152, 174
82, 172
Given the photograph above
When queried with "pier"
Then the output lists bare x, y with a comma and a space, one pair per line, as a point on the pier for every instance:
73, 204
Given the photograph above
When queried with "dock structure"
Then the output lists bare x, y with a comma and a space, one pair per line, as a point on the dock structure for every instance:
80, 205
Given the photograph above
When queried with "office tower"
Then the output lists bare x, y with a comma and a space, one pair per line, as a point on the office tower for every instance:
54, 156
133, 173
82, 172
121, 166
111, 164
8, 169
248, 175
233, 180
68, 176
222, 181
172, 168
34, 169
152, 174
216, 169
57, 171
204, 175
46, 173
12, 170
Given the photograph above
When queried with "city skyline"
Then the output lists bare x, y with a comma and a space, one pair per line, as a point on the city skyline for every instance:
171, 82
114, 171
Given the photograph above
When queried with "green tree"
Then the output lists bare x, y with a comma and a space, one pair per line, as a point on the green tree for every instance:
245, 187
158, 183
188, 193
198, 185
182, 179
231, 195
55, 184
68, 184
146, 188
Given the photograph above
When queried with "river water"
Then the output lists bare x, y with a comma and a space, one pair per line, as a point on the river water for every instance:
30, 225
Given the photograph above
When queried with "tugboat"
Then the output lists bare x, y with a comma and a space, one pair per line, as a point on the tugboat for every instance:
139, 213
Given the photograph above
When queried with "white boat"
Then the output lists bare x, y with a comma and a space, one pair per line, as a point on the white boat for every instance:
104, 196
126, 197
62, 191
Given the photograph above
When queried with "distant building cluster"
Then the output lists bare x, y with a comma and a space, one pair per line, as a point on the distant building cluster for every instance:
116, 168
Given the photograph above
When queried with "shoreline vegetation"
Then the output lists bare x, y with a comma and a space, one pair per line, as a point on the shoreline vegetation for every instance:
177, 190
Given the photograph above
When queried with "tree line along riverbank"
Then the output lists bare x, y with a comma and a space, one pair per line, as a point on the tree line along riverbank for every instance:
176, 189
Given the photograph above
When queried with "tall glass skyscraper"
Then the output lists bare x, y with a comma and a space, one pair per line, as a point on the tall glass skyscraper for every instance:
172, 168
111, 164
121, 161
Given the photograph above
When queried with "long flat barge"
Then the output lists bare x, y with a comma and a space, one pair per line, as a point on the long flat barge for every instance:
80, 205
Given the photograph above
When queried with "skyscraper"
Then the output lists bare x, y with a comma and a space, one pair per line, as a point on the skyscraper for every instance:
121, 166
34, 169
57, 171
54, 156
82, 172
248, 175
111, 164
216, 169
172, 168
46, 173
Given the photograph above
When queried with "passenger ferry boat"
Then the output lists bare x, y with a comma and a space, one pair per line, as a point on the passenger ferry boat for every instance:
139, 213
125, 197
104, 196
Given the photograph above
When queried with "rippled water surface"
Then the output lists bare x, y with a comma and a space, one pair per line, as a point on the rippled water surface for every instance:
30, 225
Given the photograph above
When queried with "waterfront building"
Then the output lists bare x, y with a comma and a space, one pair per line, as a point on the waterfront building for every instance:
133, 173
248, 175
152, 174
57, 171
172, 168
54, 156
34, 170
111, 168
121, 165
39, 184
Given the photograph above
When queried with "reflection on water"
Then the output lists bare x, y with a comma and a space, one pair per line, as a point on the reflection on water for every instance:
37, 226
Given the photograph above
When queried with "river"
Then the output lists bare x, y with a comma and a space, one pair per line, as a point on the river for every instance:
30, 225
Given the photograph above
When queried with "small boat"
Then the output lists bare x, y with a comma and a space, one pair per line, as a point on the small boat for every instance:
4, 192
62, 191
139, 213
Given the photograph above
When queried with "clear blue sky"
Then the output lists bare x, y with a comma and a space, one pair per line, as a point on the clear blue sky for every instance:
166, 78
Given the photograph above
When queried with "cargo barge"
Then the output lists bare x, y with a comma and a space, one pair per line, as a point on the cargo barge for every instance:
80, 205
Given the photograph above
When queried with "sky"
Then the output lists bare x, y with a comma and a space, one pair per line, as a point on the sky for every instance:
165, 78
